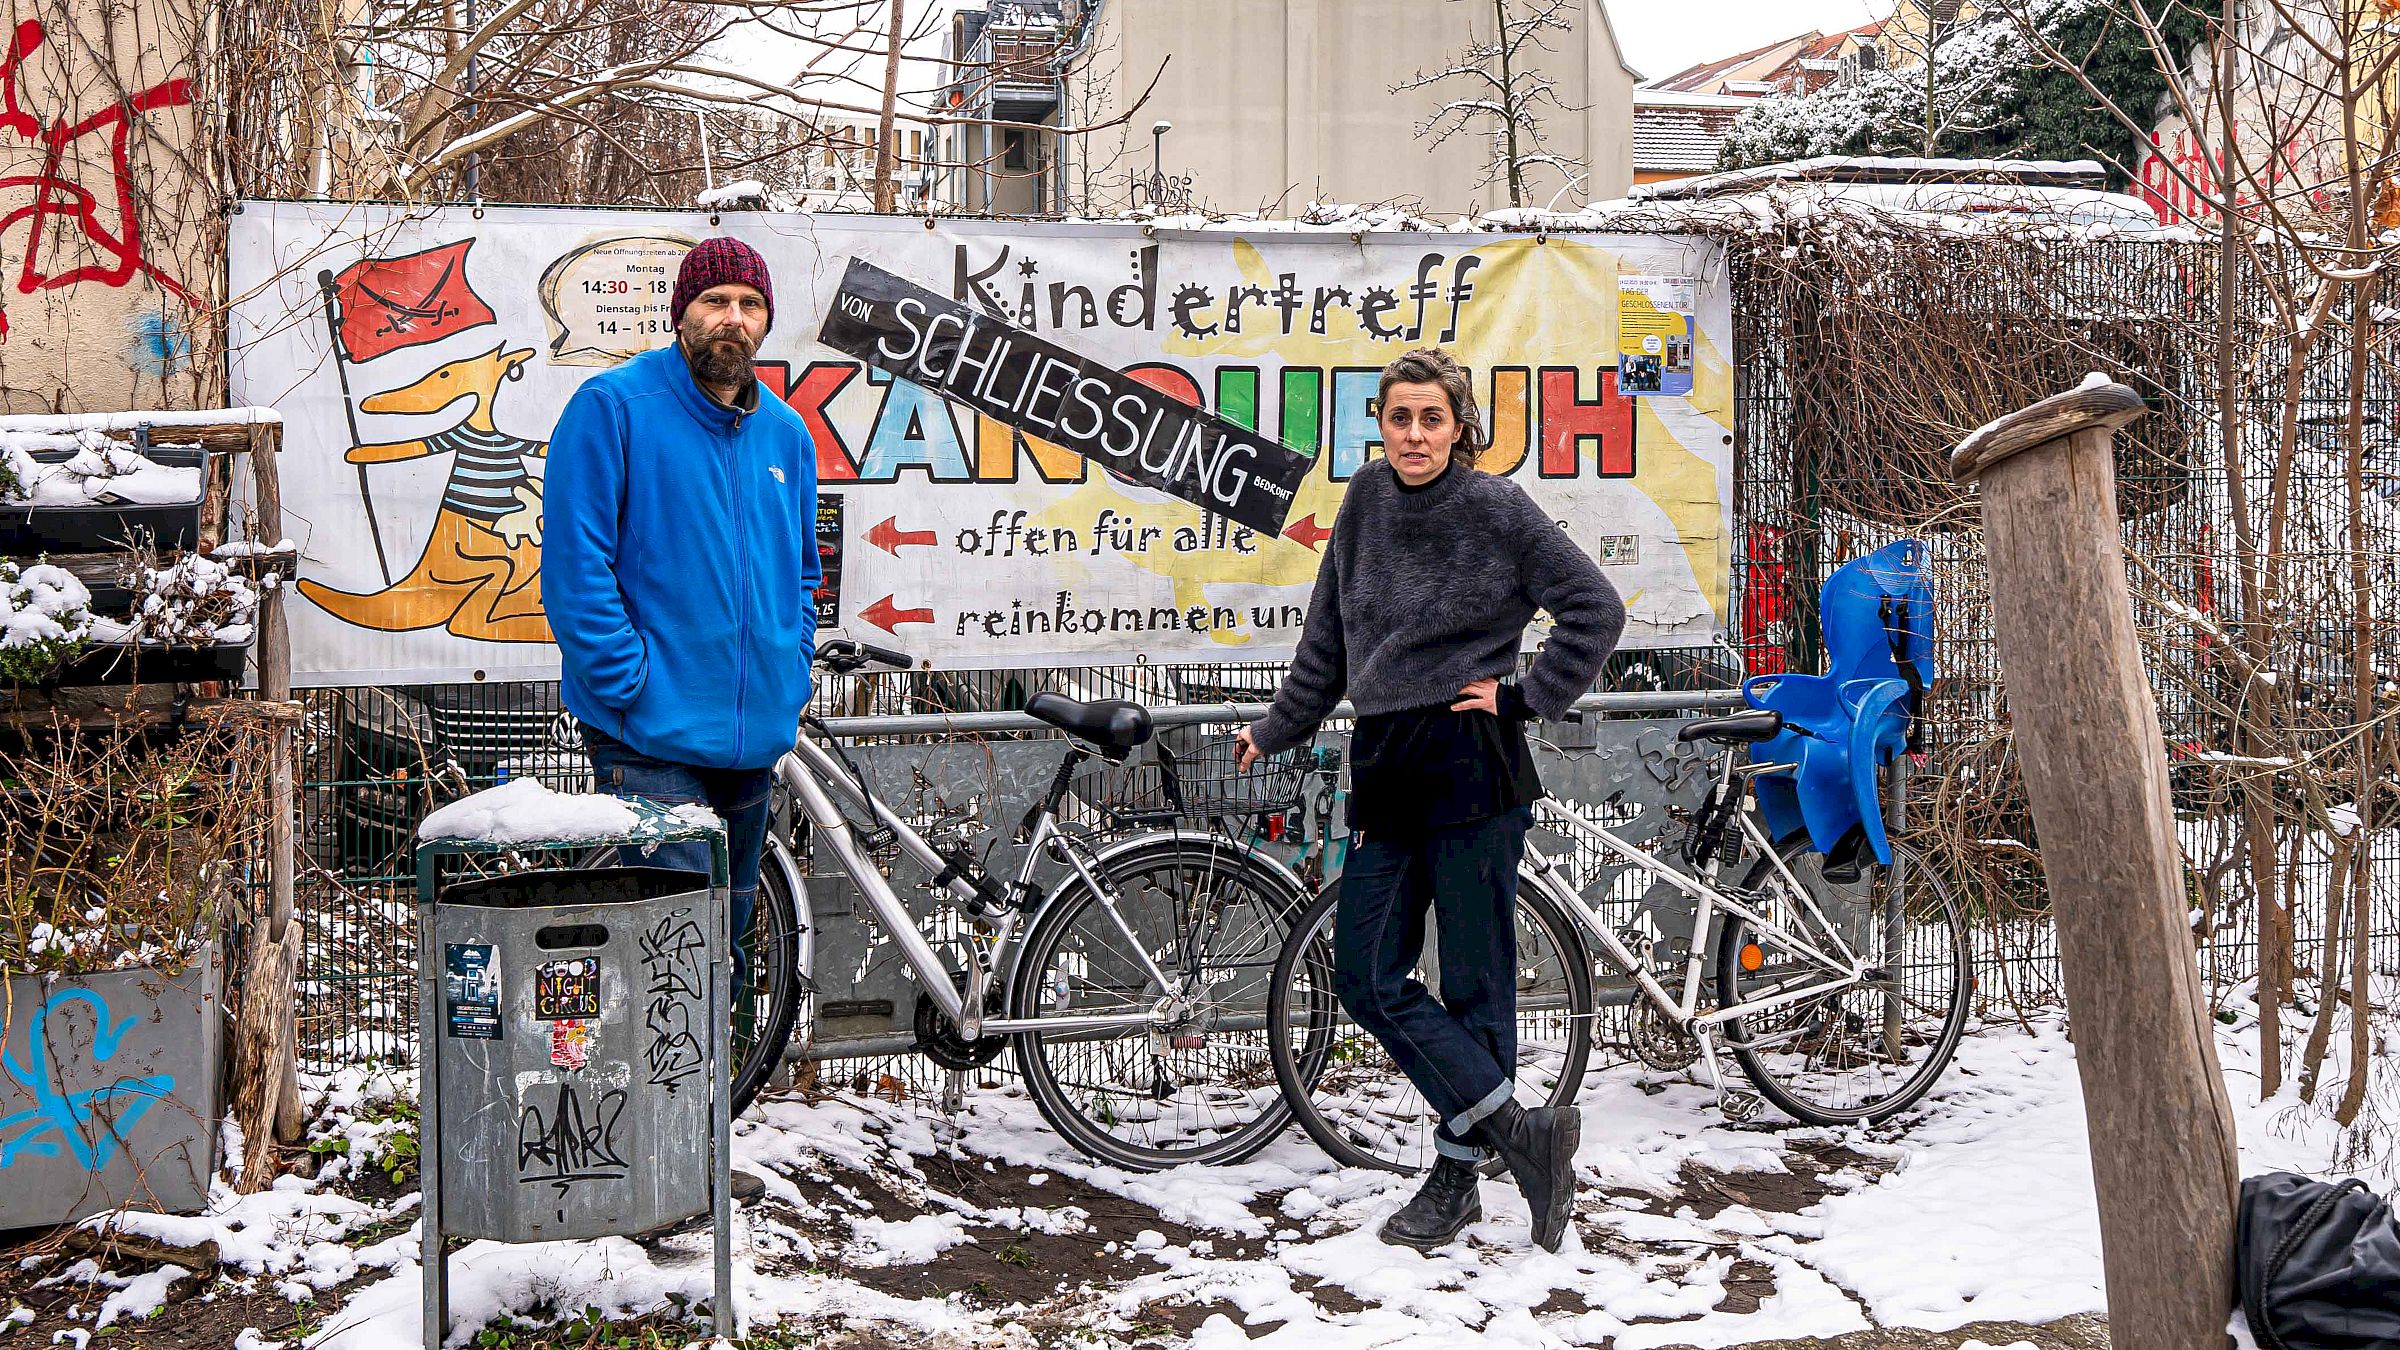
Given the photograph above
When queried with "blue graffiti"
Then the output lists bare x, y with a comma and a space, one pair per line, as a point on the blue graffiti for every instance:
70, 1116
157, 345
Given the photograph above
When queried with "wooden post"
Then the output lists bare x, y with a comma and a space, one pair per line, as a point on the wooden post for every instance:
266, 1087
2161, 1128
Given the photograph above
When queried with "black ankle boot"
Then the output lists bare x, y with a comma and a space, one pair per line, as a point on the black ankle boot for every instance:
1443, 1206
1539, 1148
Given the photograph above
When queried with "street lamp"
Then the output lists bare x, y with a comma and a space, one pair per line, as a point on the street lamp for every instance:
1158, 139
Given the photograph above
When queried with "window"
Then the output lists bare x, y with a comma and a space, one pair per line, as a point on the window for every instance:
1012, 149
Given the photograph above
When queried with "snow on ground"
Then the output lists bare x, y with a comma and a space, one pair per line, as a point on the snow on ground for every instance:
1976, 1209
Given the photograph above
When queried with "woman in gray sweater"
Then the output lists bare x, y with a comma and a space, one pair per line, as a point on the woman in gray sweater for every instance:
1433, 571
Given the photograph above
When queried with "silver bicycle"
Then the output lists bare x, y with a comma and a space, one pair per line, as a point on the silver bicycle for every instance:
1840, 991
1128, 968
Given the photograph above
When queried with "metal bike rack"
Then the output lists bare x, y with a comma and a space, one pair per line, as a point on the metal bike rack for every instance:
1630, 756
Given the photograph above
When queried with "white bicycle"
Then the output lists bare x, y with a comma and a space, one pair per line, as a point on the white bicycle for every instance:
1133, 984
1841, 997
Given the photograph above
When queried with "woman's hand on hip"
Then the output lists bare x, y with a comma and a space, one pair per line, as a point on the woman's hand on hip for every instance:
1249, 751
1479, 696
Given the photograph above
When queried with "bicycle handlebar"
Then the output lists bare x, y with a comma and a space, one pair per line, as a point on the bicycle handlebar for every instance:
843, 656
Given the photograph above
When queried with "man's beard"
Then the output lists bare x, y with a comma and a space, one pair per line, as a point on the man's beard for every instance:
722, 358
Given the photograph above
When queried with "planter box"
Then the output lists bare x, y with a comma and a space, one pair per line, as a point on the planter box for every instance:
109, 1092
112, 663
29, 530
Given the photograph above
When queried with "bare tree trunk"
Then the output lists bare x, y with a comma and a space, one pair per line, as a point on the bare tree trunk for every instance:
2354, 1092
2362, 678
1932, 84
2255, 799
885, 152
1508, 105
2274, 928
2329, 966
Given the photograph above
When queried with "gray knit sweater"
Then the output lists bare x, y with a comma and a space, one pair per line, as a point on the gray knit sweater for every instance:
1422, 592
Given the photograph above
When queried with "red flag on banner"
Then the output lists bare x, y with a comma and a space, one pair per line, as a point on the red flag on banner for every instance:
391, 303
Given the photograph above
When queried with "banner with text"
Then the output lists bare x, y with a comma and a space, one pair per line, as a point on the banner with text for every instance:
1063, 511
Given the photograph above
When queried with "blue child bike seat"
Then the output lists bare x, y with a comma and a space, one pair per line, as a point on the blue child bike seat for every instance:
1839, 727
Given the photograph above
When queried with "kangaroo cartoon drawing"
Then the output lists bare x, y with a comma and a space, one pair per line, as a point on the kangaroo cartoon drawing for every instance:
479, 572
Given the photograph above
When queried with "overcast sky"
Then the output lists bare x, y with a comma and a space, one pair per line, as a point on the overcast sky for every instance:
1661, 37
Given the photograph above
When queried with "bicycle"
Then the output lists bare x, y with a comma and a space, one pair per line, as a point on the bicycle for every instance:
1132, 985
1840, 1000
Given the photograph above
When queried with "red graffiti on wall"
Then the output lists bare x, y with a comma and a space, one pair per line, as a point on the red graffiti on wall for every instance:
108, 221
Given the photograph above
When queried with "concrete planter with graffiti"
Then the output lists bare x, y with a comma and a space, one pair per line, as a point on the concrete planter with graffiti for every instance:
109, 1092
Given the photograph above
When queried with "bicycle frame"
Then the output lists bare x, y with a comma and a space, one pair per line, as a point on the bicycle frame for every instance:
1709, 903
807, 772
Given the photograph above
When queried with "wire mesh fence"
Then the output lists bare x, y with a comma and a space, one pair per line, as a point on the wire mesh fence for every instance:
1828, 467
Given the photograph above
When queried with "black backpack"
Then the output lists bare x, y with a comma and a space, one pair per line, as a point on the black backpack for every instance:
2319, 1264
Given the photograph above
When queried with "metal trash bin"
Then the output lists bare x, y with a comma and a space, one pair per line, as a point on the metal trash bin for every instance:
578, 1020
573, 1075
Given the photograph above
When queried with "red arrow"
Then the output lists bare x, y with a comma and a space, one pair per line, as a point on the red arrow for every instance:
1307, 531
884, 615
889, 536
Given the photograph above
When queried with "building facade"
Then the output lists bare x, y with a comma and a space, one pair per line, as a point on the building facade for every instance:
108, 220
1268, 105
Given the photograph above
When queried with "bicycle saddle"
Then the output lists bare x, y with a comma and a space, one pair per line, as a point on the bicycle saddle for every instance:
1742, 728
1110, 722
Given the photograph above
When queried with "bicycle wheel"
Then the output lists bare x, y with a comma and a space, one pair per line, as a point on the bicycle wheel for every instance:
1344, 1087
1872, 1049
767, 1004
1198, 1088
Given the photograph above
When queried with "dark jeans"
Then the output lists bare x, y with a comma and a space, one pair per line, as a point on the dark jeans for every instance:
737, 795
1461, 1052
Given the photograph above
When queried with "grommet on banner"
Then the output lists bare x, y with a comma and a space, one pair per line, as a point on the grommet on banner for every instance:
929, 222
712, 218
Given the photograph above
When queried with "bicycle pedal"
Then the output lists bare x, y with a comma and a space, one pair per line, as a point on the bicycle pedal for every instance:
1741, 1107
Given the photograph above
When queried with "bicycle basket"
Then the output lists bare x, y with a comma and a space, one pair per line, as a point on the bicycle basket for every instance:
1204, 783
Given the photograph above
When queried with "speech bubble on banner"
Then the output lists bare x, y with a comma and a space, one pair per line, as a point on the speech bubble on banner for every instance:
607, 299
1047, 391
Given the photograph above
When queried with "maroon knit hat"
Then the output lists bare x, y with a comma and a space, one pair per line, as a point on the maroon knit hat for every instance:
718, 262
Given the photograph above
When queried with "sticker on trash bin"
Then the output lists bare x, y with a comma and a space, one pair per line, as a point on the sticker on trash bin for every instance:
472, 989
567, 989
570, 1043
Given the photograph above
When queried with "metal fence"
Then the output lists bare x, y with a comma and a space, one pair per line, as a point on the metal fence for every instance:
1814, 486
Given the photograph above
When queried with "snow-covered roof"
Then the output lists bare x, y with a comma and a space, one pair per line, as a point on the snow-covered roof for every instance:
1685, 98
1954, 206
1862, 169
1713, 76
1669, 138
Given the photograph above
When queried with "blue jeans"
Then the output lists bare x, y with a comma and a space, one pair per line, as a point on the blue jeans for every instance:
737, 795
1460, 1052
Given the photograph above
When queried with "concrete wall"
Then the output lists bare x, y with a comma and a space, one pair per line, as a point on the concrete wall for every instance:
1280, 102
108, 227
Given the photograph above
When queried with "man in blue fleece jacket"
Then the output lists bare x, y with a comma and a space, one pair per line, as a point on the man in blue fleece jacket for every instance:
680, 561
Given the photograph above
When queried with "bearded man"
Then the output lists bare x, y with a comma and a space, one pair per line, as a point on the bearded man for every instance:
680, 564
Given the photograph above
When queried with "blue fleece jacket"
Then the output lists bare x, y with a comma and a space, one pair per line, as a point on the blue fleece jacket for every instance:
679, 558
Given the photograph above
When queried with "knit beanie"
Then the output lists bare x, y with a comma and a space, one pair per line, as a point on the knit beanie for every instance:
718, 262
